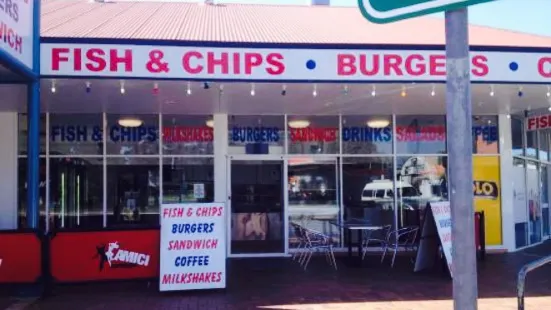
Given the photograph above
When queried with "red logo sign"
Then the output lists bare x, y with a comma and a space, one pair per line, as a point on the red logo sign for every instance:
105, 255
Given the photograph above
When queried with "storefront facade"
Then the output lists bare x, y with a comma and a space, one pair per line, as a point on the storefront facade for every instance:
281, 132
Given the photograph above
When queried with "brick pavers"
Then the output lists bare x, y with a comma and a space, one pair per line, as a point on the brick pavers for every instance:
281, 284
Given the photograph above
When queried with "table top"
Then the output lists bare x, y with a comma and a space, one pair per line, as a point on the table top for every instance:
356, 224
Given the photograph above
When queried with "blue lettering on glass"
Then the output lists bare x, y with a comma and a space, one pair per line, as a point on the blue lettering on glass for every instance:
70, 133
366, 134
81, 133
255, 134
488, 133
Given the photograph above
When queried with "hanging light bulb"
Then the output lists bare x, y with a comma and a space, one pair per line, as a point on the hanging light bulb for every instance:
492, 93
284, 90
548, 94
123, 90
155, 88
53, 89
373, 91
403, 93
315, 91
188, 91
88, 86
433, 91
253, 91
345, 89
508, 116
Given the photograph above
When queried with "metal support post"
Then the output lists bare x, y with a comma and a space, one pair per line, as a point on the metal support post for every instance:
33, 153
460, 167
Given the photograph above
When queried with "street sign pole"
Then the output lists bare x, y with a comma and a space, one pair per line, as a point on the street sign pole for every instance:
460, 167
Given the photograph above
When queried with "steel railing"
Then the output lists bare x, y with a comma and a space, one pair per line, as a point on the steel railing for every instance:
521, 277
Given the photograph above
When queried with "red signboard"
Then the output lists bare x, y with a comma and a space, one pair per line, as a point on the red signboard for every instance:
105, 255
20, 257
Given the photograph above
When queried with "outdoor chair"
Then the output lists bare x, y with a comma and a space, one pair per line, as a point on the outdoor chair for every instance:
317, 242
379, 237
404, 238
301, 245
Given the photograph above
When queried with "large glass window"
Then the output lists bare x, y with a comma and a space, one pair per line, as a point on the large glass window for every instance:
420, 179
22, 193
544, 144
368, 189
421, 134
22, 135
76, 134
188, 180
517, 136
485, 135
313, 135
534, 202
532, 144
186, 135
313, 196
132, 135
76, 192
519, 202
256, 134
545, 189
366, 135
132, 191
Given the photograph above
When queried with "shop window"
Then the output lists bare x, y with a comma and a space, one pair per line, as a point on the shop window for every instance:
132, 135
22, 134
368, 191
544, 144
366, 135
421, 179
132, 191
313, 135
187, 135
534, 202
22, 193
517, 136
188, 180
313, 192
485, 135
421, 134
256, 134
487, 195
76, 134
519, 202
76, 192
545, 189
531, 144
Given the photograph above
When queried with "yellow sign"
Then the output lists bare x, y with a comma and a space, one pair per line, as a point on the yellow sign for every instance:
487, 195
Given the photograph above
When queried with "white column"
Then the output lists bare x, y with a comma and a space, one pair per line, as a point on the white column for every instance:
506, 167
8, 170
220, 156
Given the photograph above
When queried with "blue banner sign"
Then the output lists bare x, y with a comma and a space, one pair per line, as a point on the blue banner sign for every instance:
488, 133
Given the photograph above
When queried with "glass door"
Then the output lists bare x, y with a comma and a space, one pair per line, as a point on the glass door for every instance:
256, 207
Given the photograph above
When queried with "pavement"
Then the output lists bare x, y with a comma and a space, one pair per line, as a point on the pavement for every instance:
281, 284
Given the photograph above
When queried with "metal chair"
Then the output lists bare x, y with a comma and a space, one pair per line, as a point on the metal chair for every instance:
402, 238
318, 242
300, 234
381, 239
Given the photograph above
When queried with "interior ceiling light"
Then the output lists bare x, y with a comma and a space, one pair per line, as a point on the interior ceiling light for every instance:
253, 91
548, 94
130, 122
373, 91
88, 86
299, 123
315, 91
155, 88
188, 91
210, 123
403, 93
492, 92
378, 123
53, 89
433, 91
122, 88
345, 89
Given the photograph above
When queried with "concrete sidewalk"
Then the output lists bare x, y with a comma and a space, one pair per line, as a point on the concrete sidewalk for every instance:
281, 284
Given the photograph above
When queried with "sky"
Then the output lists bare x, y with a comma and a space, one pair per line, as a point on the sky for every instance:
531, 16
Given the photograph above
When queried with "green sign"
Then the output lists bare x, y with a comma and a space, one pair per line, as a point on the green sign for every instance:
387, 11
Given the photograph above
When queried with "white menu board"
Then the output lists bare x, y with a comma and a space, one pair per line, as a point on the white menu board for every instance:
193, 246
443, 220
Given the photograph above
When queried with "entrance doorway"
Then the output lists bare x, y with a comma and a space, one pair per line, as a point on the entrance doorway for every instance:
256, 205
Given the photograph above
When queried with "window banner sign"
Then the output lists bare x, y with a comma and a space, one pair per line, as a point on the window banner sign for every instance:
487, 195
104, 255
20, 257
436, 230
283, 64
193, 247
